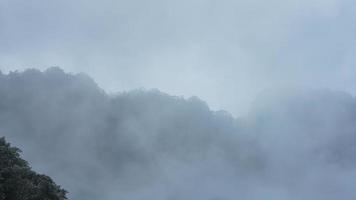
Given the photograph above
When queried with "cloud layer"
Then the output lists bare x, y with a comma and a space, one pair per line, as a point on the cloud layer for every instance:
293, 144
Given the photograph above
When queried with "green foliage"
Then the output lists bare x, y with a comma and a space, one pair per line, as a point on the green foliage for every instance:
19, 182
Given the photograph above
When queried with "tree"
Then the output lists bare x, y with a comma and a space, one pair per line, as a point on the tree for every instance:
19, 182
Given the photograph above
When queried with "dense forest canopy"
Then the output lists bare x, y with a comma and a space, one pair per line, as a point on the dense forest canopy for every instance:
19, 182
145, 144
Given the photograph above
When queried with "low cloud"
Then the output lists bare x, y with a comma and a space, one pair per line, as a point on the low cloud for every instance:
145, 144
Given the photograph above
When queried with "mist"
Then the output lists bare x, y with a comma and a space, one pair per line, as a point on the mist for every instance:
295, 143
189, 99
226, 52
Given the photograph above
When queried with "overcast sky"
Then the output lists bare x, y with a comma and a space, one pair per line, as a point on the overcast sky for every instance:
222, 51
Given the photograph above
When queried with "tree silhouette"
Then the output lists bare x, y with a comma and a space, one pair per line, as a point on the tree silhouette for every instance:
19, 182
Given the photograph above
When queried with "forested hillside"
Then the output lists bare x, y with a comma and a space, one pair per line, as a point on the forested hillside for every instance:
19, 182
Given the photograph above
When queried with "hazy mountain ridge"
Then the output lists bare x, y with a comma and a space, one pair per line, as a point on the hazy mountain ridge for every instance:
147, 144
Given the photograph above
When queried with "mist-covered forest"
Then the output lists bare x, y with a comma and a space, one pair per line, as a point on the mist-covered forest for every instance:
146, 144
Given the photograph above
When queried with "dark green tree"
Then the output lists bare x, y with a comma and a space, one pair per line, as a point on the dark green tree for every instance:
19, 182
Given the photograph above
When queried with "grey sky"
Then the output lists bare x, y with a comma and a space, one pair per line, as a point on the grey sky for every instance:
225, 52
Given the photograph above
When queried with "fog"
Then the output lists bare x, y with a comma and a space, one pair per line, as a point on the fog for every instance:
226, 52
189, 99
294, 143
